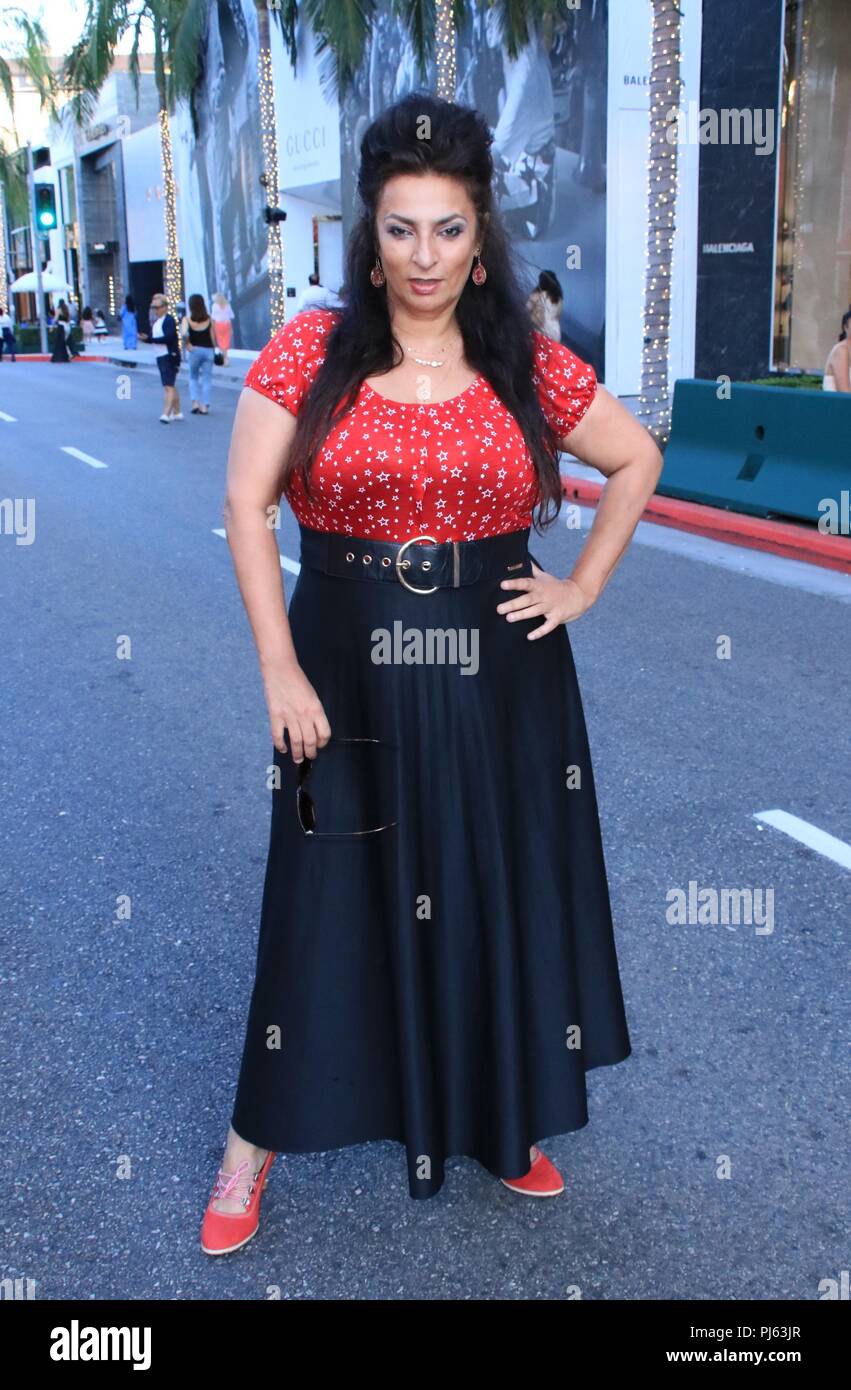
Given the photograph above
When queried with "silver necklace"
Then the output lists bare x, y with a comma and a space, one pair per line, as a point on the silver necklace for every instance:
424, 361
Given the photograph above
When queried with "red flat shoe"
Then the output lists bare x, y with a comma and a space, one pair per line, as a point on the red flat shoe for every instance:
223, 1231
542, 1180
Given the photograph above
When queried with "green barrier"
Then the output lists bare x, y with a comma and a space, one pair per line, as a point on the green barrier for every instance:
763, 451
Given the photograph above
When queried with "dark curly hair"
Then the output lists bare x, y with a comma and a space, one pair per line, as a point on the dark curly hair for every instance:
493, 319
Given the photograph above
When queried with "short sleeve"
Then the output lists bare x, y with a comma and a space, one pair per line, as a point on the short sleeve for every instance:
287, 366
566, 385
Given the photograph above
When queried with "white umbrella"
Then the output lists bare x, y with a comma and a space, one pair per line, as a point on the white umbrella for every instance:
29, 283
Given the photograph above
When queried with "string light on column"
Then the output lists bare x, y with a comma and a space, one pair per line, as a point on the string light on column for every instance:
268, 127
4, 280
663, 182
173, 277
445, 50
800, 156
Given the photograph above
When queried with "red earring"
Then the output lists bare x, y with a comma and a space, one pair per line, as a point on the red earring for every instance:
376, 275
480, 275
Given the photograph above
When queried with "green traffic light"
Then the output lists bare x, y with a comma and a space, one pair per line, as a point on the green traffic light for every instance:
46, 208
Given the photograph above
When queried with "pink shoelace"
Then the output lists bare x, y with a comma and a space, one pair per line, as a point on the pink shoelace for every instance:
238, 1184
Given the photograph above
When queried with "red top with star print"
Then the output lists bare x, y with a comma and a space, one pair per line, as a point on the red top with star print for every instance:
456, 470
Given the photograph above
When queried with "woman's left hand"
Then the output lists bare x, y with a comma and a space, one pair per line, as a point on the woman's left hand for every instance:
556, 600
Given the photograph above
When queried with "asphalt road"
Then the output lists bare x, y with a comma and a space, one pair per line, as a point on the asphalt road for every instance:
144, 779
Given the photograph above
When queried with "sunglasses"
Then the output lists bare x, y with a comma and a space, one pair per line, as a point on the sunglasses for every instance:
306, 807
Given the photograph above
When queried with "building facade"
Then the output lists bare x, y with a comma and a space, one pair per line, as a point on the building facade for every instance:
762, 247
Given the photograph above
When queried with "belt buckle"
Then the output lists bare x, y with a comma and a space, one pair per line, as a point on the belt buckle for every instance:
402, 580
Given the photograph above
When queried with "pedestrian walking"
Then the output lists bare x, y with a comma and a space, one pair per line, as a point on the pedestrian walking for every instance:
436, 960
837, 368
87, 324
164, 334
129, 323
101, 329
8, 341
546, 304
64, 349
222, 315
196, 332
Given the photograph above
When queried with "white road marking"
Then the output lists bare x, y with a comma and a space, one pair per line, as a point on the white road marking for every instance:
286, 563
10, 419
809, 835
86, 458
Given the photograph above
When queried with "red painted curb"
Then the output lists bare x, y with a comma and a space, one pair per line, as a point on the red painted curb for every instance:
786, 538
43, 357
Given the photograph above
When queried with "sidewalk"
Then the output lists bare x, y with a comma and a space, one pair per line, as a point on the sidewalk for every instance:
111, 349
791, 539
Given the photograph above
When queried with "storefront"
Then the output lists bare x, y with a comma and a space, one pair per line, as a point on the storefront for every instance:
812, 282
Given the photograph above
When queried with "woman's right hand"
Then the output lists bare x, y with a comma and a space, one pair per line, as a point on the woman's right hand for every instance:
294, 706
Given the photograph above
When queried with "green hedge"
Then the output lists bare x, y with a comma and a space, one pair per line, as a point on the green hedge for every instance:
28, 339
811, 382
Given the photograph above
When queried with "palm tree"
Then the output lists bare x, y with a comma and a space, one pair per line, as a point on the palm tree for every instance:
23, 49
269, 137
177, 27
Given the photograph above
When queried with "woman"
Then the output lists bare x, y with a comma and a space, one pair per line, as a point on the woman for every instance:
223, 324
436, 960
87, 324
64, 350
129, 323
196, 332
837, 368
545, 305
164, 334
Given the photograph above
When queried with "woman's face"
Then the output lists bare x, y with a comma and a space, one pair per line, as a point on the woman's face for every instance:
427, 237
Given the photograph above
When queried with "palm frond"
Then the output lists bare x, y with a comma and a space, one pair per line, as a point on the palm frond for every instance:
13, 176
341, 27
23, 42
133, 59
90, 60
287, 16
187, 25
6, 83
514, 17
419, 18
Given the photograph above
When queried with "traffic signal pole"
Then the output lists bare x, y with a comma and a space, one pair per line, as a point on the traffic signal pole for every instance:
42, 326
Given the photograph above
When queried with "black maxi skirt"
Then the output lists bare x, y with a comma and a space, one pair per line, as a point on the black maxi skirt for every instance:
448, 980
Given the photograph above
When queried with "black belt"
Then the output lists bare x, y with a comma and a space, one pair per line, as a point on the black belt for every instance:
420, 563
